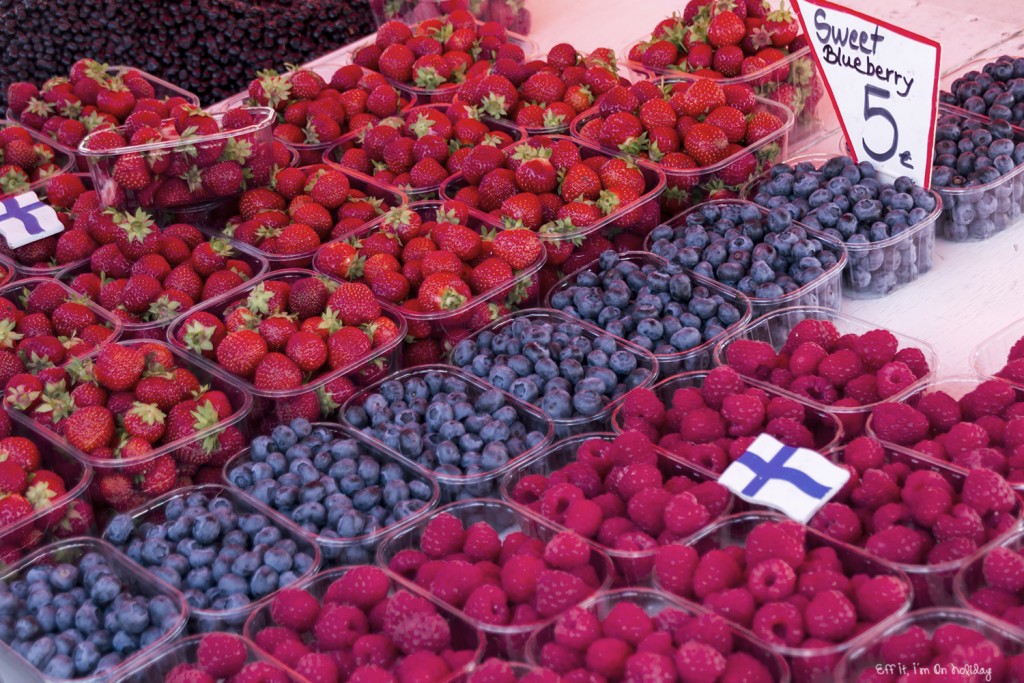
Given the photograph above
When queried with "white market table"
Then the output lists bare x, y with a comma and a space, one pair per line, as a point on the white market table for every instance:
974, 289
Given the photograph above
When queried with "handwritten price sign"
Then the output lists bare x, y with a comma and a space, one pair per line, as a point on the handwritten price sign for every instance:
883, 81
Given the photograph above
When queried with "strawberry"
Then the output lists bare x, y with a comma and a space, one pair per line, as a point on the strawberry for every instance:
119, 367
13, 479
781, 26
518, 248
277, 372
240, 352
145, 420
14, 508
761, 125
347, 346
160, 476
89, 428
21, 451
307, 350
355, 303
131, 171
339, 259
490, 274
443, 292
707, 144
726, 28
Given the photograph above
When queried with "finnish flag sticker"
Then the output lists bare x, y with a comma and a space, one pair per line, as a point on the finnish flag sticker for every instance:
24, 219
795, 481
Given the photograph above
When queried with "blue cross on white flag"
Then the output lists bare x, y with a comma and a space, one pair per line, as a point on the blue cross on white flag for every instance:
24, 219
797, 481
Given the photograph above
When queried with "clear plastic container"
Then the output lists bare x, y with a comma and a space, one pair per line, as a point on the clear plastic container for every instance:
933, 583
215, 223
971, 578
333, 153
812, 106
504, 518
824, 426
485, 484
879, 268
955, 386
359, 549
868, 656
465, 636
808, 665
697, 358
767, 151
271, 407
161, 88
978, 212
451, 325
413, 11
185, 651
69, 515
216, 379
631, 218
633, 568
51, 269
156, 329
519, 671
257, 137
583, 423
205, 620
653, 603
826, 291
14, 292
13, 667
61, 159
8, 270
990, 356
775, 327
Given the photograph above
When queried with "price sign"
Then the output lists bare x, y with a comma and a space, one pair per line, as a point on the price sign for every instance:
883, 81
24, 219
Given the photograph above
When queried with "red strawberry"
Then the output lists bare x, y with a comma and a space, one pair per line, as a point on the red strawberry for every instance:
707, 144
240, 352
354, 303
443, 292
347, 346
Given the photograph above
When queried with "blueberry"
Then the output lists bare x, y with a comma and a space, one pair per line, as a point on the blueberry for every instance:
119, 529
284, 437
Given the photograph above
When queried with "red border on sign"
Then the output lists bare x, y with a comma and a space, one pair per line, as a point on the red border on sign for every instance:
827, 4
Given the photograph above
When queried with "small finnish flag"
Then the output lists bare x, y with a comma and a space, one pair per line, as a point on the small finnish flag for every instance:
24, 219
796, 481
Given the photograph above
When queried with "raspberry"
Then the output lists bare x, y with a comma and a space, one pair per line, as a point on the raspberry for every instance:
455, 582
428, 571
489, 605
719, 383
482, 542
684, 514
951, 550
780, 406
674, 566
607, 657
824, 558
830, 616
876, 488
372, 674
841, 366
699, 663
735, 604
941, 409
362, 587
317, 668
686, 399
559, 658
260, 672
912, 646
519, 577
821, 332
567, 550
659, 642
988, 398
577, 628
929, 505
612, 529
876, 347
294, 608
898, 423
582, 477
880, 596
713, 496
741, 667
422, 631
290, 651
750, 357
815, 388
863, 389
920, 483
948, 637
781, 377
716, 571
784, 540
899, 544
649, 667
643, 404
702, 425
889, 515
790, 432
443, 536
806, 358
837, 521
1004, 568
986, 492
627, 621
375, 648
611, 505
994, 426
422, 666
892, 378
635, 542
710, 629
745, 414
632, 479
914, 359
584, 517
402, 605
810, 584
963, 520
647, 509
779, 623
270, 637
981, 458
771, 580
964, 437
493, 670
557, 591
221, 655
993, 601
